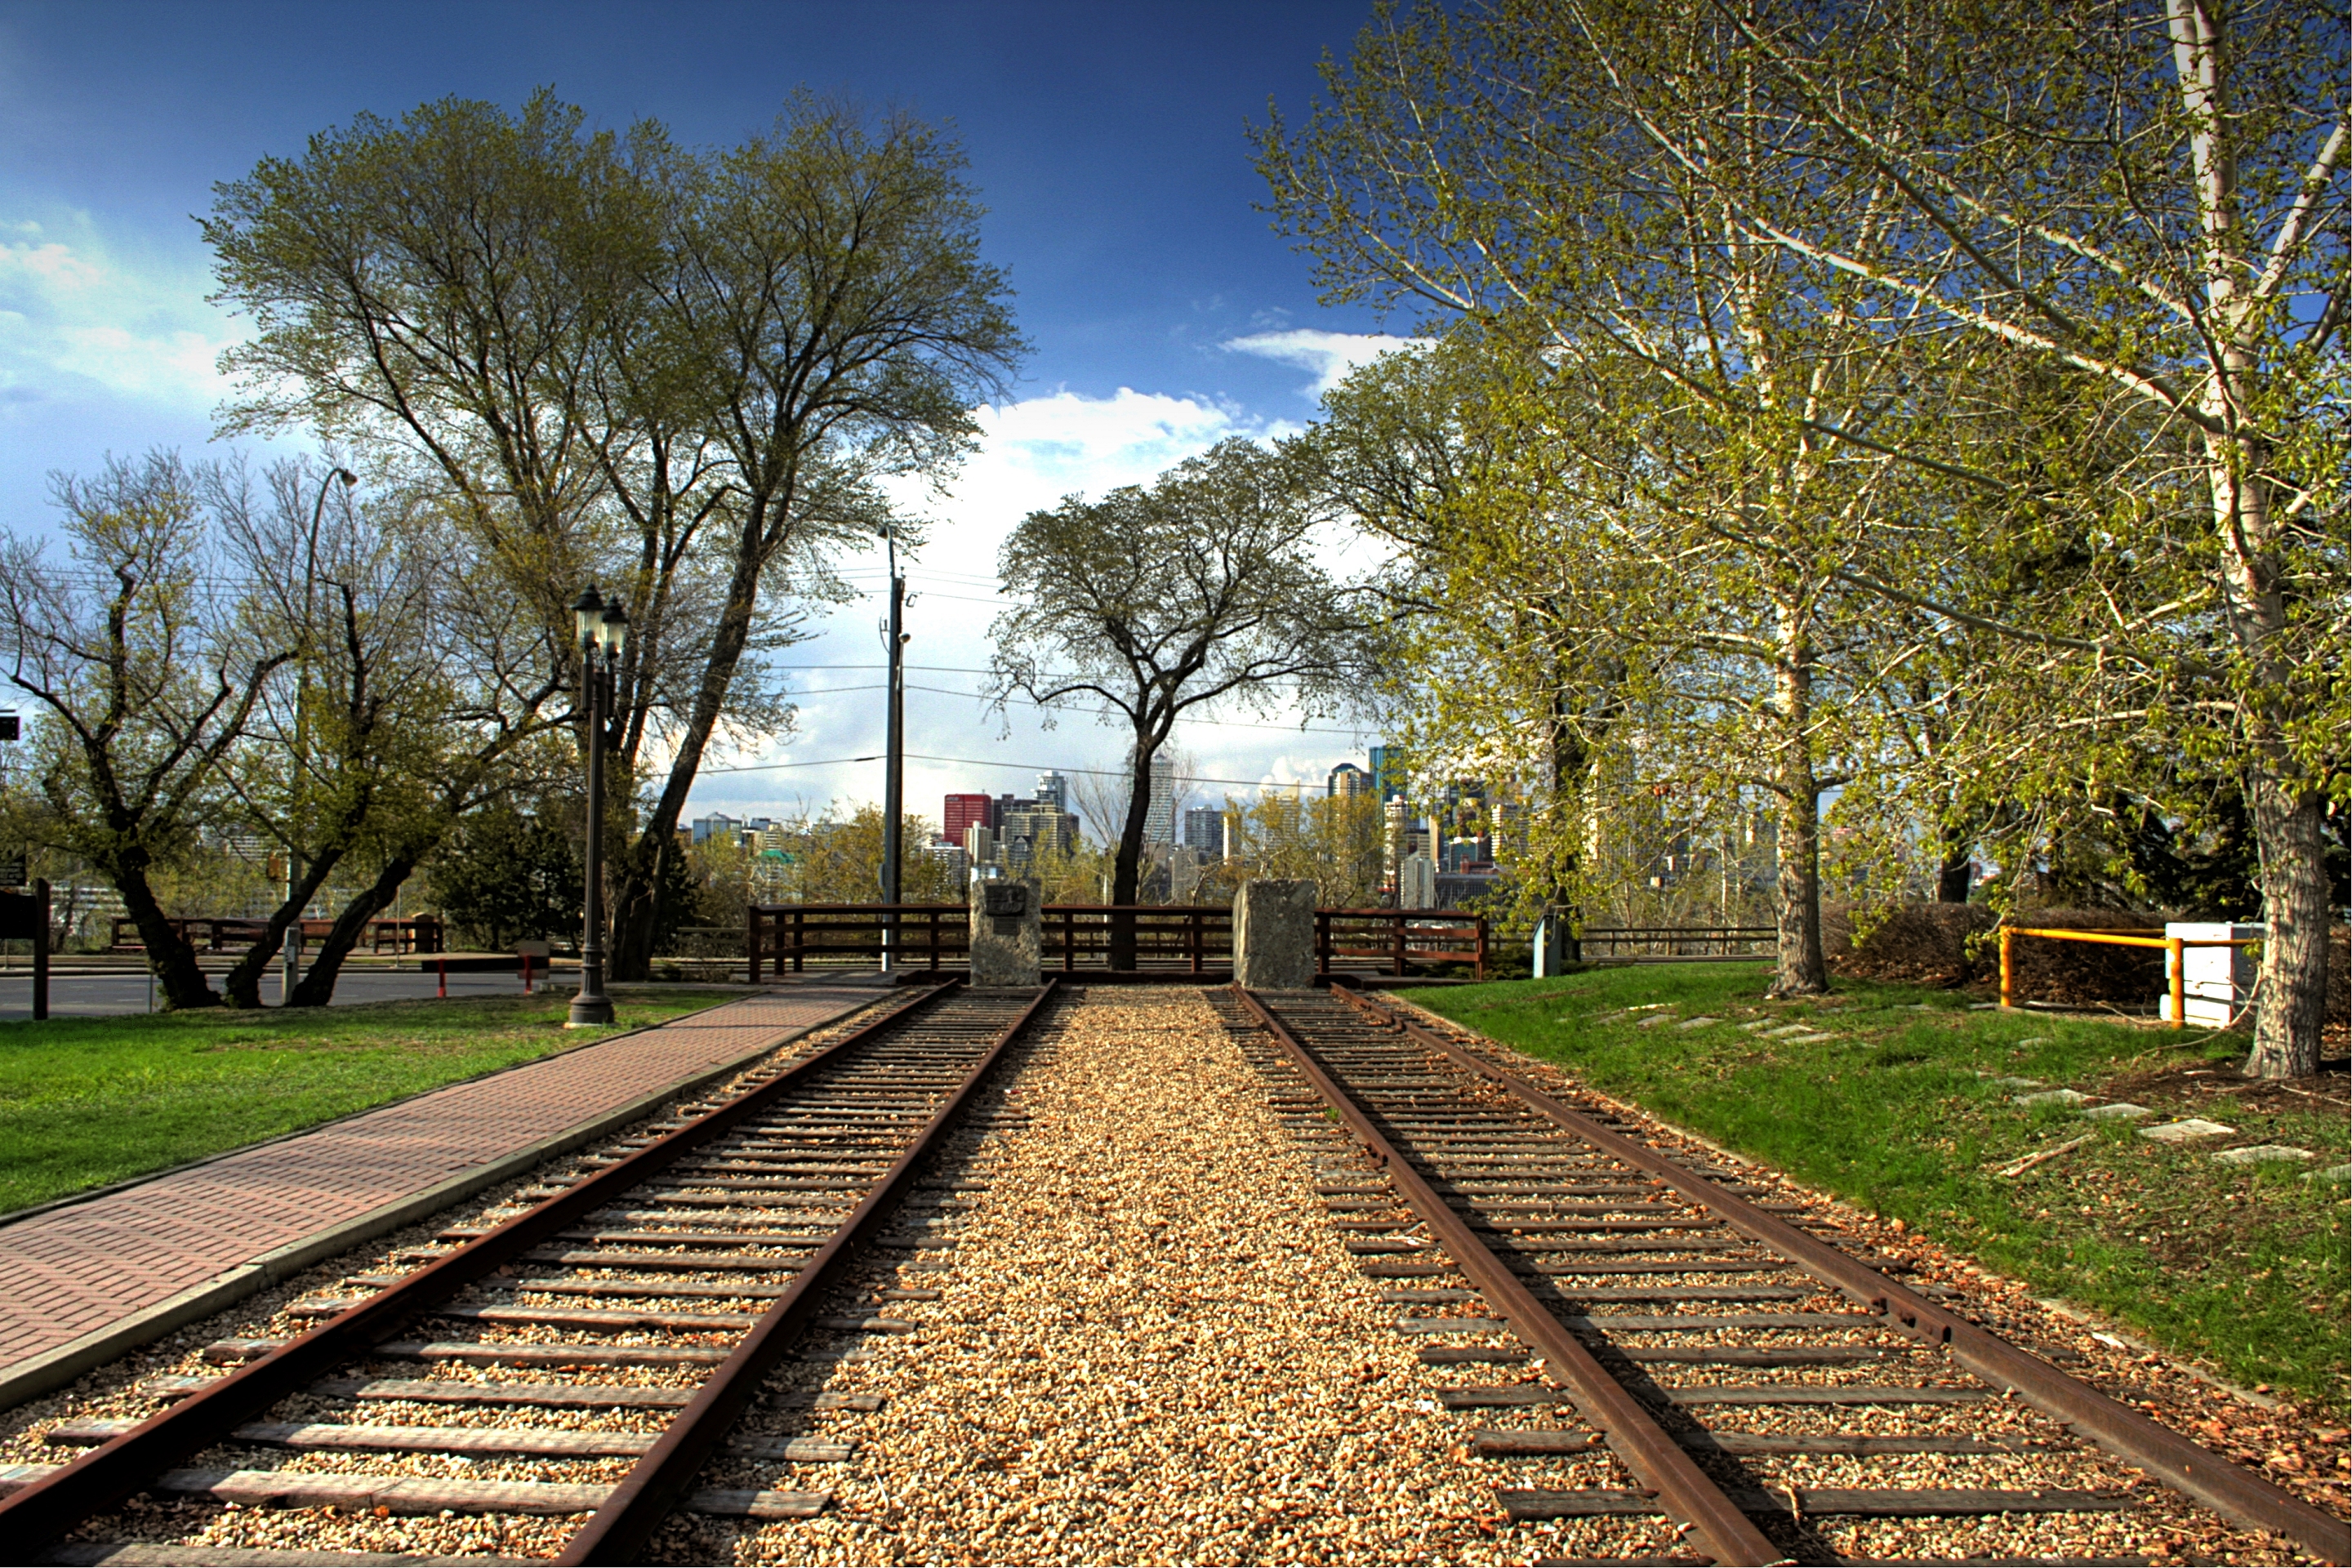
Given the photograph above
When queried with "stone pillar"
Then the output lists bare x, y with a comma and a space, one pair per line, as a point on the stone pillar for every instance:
1005, 915
1274, 935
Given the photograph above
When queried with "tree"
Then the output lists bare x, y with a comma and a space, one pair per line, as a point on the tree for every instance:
1692, 374
504, 874
2153, 195
826, 283
1202, 590
677, 372
147, 667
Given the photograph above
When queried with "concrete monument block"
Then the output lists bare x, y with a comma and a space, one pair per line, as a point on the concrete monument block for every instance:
1274, 935
1005, 918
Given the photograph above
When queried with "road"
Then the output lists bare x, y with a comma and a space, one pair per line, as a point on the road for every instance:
108, 994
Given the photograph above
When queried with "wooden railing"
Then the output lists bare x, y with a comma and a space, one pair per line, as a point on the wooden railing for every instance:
1401, 938
1195, 939
421, 933
927, 933
1167, 936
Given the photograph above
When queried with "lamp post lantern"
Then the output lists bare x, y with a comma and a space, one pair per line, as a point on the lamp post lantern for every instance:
602, 632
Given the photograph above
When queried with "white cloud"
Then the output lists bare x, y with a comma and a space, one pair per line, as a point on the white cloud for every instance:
1330, 355
1031, 454
73, 314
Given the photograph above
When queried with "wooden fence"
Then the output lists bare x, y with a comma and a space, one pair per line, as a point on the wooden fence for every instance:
1193, 939
421, 933
1401, 938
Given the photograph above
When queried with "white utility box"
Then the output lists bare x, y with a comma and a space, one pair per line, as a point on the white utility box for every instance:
2216, 981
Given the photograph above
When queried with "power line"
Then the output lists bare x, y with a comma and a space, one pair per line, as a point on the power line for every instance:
1011, 767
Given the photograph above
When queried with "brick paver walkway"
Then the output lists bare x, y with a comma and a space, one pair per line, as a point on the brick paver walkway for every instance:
73, 1270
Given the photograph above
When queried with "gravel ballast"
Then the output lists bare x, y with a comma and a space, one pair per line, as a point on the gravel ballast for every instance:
1154, 1347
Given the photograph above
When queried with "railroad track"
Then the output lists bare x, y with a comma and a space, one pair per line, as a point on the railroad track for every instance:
660, 1289
1681, 1328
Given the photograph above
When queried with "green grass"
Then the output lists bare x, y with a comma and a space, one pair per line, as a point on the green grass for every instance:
2246, 1266
85, 1101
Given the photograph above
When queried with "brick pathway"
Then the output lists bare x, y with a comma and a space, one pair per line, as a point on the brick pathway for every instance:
74, 1270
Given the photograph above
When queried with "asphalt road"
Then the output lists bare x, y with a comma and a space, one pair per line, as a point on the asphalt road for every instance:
107, 995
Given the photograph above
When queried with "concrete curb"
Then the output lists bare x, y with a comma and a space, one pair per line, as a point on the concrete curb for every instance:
54, 1369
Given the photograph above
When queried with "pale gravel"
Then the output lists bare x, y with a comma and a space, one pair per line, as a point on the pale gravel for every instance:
1153, 1347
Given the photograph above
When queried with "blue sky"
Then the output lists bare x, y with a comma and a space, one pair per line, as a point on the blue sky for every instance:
1108, 142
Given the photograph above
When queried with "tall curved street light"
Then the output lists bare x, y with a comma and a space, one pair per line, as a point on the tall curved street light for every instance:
290, 947
602, 632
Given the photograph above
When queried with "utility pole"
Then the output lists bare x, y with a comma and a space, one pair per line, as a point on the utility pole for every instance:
894, 763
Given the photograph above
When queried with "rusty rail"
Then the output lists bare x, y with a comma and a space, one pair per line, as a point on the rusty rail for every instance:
618, 1531
2114, 1426
1648, 1449
123, 1467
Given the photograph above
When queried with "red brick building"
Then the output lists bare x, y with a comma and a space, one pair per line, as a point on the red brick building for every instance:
964, 811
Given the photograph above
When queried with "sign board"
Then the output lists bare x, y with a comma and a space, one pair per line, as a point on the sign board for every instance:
11, 871
530, 949
20, 918
10, 726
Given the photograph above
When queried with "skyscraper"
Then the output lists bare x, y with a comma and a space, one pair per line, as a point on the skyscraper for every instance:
1347, 781
1053, 790
962, 811
1205, 830
1389, 772
1159, 821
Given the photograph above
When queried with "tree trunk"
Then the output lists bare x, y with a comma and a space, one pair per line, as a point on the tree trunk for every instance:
1801, 970
170, 956
318, 986
1126, 869
242, 984
2293, 993
635, 904
1957, 869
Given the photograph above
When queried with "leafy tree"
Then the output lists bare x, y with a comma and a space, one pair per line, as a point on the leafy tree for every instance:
2152, 195
679, 372
1203, 589
147, 669
504, 875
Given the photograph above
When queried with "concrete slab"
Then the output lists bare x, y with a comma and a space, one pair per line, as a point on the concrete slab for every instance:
2120, 1110
2052, 1096
2189, 1129
2264, 1155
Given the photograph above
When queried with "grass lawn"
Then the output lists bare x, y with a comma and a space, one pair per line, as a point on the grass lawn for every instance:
1891, 1102
85, 1101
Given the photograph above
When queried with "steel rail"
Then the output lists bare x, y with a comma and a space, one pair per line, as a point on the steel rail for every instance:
2112, 1425
619, 1531
123, 1467
1652, 1452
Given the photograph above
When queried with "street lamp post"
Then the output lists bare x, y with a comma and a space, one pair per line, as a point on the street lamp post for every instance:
290, 950
894, 763
603, 631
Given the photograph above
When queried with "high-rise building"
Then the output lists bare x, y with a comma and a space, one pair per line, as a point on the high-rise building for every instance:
1205, 830
1053, 790
1160, 819
962, 811
1347, 781
717, 825
1388, 776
